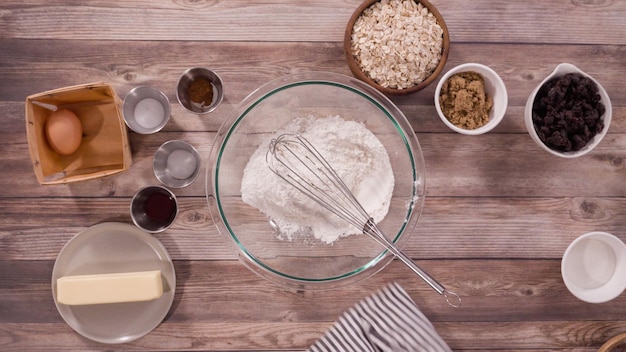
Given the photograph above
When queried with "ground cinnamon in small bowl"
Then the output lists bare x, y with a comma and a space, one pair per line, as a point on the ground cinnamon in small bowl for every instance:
464, 102
201, 91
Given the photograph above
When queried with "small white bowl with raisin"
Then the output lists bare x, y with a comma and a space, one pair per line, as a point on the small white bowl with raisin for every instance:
568, 113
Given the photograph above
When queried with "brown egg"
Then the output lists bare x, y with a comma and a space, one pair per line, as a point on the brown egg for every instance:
64, 131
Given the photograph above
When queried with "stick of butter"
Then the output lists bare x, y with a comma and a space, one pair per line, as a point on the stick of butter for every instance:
109, 288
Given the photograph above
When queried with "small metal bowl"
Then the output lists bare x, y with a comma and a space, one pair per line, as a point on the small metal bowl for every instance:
184, 83
154, 208
176, 164
142, 112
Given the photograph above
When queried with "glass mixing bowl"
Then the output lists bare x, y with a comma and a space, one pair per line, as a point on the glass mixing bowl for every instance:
308, 263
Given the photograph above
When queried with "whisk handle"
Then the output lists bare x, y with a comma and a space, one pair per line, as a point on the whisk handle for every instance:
416, 269
371, 229
452, 298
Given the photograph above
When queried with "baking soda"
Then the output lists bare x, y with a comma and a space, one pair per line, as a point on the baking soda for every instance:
357, 156
149, 113
181, 164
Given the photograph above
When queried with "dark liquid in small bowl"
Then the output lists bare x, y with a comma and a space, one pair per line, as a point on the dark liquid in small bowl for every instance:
159, 207
154, 209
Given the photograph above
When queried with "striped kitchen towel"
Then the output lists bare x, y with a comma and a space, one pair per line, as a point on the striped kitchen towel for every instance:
387, 321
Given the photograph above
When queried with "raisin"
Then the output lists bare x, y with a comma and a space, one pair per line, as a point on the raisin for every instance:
567, 112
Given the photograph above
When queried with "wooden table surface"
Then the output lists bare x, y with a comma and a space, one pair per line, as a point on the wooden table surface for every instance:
499, 211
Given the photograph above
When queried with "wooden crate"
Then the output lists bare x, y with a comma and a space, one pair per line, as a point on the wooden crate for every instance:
104, 149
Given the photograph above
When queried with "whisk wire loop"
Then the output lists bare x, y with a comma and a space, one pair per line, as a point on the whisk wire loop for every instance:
294, 159
297, 161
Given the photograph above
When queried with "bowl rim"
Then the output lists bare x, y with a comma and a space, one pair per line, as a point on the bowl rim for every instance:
140, 193
358, 73
559, 70
414, 210
215, 80
166, 149
496, 81
161, 97
593, 295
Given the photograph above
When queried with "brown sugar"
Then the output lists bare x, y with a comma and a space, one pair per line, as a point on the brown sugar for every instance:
464, 102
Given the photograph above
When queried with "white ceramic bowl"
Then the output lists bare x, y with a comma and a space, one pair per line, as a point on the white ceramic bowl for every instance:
594, 267
494, 86
561, 70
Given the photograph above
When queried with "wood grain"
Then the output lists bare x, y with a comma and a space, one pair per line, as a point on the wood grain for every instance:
245, 66
498, 227
295, 336
312, 21
498, 211
214, 307
490, 166
517, 290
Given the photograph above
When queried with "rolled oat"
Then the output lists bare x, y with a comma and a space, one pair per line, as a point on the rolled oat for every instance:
397, 43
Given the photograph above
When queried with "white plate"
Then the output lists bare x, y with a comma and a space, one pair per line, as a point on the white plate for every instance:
108, 248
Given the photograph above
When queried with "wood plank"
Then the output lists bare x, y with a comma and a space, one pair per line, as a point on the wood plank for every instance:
491, 165
246, 66
313, 21
423, 118
504, 291
295, 336
220, 311
530, 336
497, 227
140, 173
462, 228
53, 222
514, 165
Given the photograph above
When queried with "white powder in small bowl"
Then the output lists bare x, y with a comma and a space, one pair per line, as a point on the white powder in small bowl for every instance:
357, 156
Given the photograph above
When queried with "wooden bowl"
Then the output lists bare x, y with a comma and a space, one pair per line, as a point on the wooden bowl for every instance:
358, 73
612, 343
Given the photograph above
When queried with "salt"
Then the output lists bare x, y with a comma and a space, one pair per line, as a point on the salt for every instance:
149, 113
181, 164
357, 156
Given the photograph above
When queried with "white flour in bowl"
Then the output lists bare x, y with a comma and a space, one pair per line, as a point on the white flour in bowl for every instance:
357, 156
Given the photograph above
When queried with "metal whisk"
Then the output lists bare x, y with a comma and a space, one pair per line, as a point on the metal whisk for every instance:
294, 159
